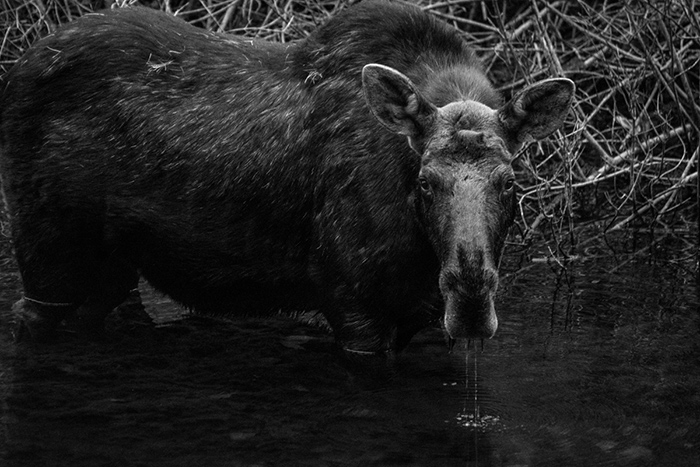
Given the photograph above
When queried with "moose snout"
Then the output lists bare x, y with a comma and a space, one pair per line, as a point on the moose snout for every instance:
468, 295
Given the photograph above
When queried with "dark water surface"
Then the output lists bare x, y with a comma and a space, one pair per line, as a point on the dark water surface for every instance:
596, 362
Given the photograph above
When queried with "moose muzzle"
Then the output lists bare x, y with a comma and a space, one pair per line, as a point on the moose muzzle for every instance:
468, 287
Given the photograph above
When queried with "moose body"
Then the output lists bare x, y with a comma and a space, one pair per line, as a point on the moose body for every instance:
364, 171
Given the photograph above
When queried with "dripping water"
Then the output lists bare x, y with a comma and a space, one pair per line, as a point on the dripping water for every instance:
476, 420
471, 416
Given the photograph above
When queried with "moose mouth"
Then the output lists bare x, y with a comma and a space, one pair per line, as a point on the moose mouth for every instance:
470, 319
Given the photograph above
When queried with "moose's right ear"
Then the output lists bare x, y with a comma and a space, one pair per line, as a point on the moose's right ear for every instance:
396, 102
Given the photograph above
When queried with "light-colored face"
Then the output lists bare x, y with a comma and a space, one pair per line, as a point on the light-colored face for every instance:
466, 178
467, 203
465, 187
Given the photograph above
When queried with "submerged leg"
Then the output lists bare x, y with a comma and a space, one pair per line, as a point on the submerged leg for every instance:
357, 333
57, 258
132, 309
116, 282
38, 320
68, 280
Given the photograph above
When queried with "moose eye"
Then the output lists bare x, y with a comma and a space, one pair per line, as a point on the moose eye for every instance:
424, 185
509, 184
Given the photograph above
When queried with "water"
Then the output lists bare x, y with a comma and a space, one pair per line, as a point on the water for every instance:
596, 362
593, 367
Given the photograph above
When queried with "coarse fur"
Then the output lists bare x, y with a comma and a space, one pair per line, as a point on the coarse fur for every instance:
241, 176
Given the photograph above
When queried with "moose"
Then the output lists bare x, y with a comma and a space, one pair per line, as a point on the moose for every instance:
364, 171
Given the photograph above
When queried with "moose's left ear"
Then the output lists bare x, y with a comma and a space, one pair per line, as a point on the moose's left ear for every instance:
537, 111
396, 102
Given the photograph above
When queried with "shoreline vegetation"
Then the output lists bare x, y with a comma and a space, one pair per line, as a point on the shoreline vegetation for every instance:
627, 157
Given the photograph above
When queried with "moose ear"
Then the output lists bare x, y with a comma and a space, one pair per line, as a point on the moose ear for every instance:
537, 111
396, 102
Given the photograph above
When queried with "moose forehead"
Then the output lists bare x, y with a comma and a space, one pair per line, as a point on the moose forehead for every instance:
468, 132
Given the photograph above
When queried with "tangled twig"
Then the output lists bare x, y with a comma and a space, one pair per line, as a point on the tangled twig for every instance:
629, 152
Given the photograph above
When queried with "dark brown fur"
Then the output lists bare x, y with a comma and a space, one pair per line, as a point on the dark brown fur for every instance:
242, 176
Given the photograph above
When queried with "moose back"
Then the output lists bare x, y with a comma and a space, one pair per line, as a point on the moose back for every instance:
364, 171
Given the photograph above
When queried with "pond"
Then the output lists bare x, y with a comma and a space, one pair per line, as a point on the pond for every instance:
596, 362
